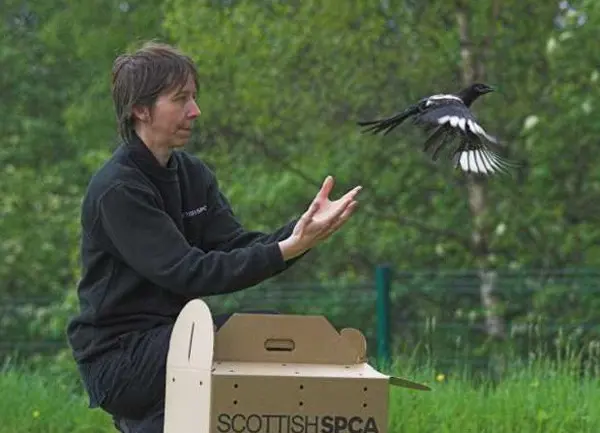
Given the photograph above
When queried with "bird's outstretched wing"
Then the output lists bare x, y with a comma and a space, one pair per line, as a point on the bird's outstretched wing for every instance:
452, 112
451, 120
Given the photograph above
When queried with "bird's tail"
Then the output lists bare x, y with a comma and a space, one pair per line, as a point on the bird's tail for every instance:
388, 123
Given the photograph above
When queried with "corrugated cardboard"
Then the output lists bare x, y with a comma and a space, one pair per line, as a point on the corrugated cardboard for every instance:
272, 374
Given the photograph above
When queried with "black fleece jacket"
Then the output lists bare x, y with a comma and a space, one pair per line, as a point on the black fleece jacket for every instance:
153, 238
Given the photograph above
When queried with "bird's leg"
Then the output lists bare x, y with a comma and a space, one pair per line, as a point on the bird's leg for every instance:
447, 139
434, 136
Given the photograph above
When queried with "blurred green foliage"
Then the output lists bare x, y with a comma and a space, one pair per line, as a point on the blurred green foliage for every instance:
281, 86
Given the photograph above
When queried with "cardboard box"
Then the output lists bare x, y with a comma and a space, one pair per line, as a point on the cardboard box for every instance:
272, 374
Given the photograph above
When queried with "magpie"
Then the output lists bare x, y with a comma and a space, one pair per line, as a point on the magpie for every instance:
449, 117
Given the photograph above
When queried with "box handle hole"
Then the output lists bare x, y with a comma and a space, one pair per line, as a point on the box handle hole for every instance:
279, 345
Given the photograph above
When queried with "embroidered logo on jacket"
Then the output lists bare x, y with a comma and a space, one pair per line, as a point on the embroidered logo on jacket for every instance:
194, 212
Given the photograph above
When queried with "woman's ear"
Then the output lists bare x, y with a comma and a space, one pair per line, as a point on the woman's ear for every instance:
141, 114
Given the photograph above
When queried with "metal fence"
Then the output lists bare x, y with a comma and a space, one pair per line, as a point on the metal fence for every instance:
434, 312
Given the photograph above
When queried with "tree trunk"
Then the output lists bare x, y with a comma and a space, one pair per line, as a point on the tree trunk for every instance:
473, 69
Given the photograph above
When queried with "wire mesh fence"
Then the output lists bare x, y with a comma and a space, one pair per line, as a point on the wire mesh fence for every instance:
431, 314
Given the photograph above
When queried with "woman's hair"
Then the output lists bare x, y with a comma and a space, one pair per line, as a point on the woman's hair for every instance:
138, 79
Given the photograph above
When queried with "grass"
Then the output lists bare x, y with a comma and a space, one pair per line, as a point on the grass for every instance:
534, 399
542, 397
35, 402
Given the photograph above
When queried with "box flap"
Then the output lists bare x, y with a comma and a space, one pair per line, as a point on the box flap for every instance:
192, 338
405, 383
303, 370
287, 339
189, 371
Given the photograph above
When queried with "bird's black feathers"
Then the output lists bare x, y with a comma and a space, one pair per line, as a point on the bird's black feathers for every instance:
389, 123
447, 118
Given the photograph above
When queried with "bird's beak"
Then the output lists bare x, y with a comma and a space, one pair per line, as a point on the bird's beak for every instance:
499, 91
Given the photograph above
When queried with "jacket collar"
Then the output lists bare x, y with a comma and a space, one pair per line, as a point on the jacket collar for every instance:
145, 159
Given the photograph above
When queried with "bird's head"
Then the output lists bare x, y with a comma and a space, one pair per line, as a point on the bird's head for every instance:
481, 88
474, 91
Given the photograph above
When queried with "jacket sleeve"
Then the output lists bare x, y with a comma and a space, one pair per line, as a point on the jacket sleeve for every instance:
146, 238
226, 233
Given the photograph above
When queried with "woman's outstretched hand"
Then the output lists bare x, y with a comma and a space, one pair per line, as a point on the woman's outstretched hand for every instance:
322, 218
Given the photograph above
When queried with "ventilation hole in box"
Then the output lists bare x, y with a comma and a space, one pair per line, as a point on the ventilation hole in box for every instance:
173, 380
301, 386
234, 401
301, 403
200, 383
364, 404
232, 370
235, 385
296, 372
365, 388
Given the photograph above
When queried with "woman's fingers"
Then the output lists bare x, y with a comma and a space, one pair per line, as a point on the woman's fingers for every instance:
352, 193
348, 211
326, 188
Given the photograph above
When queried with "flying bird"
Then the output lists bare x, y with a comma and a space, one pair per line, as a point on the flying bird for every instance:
449, 117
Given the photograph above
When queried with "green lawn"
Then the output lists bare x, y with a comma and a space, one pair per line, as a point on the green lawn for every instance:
532, 400
34, 402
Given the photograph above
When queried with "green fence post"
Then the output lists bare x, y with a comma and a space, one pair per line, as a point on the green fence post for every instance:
383, 284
